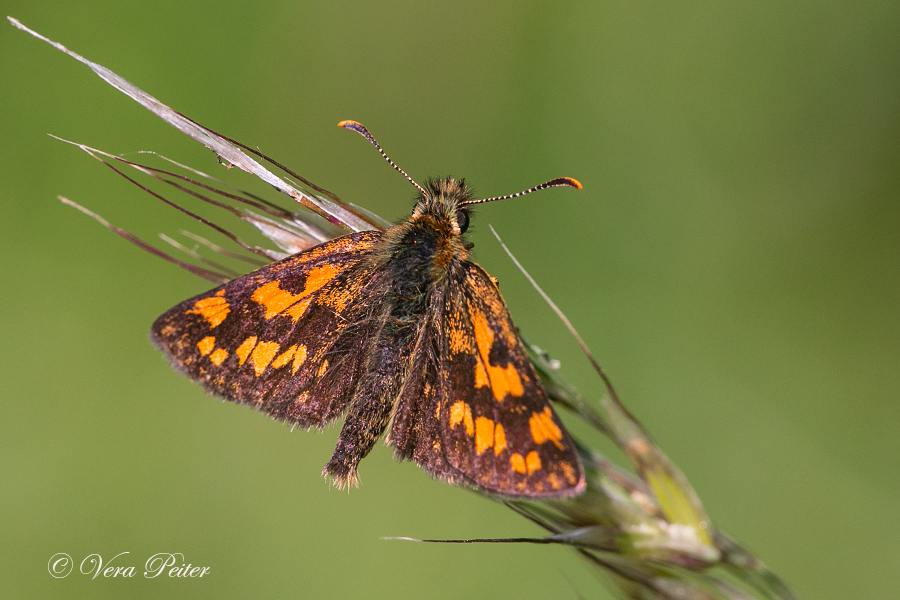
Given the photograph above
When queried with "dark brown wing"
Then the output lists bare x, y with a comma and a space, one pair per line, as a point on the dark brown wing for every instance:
474, 411
287, 337
415, 428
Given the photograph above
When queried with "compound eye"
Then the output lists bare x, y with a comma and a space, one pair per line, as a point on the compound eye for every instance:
462, 219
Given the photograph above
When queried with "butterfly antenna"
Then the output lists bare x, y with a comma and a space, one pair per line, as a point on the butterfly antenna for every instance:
558, 182
361, 130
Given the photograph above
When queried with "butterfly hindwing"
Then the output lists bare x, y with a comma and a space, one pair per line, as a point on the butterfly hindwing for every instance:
415, 429
497, 428
284, 337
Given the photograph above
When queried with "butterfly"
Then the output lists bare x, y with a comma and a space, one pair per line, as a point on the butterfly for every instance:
397, 331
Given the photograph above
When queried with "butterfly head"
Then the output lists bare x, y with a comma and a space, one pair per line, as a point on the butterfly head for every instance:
442, 200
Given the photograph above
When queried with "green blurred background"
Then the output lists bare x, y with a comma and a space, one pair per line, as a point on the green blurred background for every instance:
733, 261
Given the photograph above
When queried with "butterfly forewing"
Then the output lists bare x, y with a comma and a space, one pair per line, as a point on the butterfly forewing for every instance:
497, 426
285, 337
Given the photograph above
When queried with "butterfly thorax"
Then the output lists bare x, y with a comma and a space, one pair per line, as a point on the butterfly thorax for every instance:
428, 247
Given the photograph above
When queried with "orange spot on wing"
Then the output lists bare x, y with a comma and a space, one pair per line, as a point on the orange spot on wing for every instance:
318, 277
499, 439
284, 358
322, 368
568, 472
484, 336
459, 339
484, 434
218, 356
555, 482
461, 412
262, 355
503, 380
296, 311
243, 351
543, 429
481, 376
278, 301
339, 296
533, 462
206, 345
273, 298
299, 359
517, 462
214, 309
